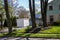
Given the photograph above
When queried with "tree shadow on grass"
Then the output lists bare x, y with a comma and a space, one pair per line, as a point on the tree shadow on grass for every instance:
33, 30
13, 35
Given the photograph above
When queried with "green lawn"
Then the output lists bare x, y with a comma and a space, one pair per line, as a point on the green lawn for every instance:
53, 32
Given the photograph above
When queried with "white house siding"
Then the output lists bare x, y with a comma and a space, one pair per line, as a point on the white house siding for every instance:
22, 23
26, 22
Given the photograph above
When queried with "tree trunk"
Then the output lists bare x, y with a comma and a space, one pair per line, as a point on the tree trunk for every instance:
1, 21
8, 16
32, 12
44, 12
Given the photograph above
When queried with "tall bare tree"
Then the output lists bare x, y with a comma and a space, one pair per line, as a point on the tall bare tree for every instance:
32, 12
1, 19
8, 16
33, 1
44, 4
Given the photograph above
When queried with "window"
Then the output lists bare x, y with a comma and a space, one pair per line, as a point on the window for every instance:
51, 18
59, 7
50, 7
59, 17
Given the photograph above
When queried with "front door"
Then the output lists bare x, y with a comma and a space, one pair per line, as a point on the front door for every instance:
51, 19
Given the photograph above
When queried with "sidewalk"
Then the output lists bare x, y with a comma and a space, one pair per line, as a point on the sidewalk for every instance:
6, 30
19, 38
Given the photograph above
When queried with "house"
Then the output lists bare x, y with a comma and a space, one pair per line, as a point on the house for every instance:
38, 19
22, 23
23, 17
53, 11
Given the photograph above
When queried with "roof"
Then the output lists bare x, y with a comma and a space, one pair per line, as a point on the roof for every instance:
50, 1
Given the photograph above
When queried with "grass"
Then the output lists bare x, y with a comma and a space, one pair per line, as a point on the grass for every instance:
53, 32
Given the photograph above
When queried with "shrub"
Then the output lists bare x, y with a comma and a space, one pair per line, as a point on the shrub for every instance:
13, 20
28, 28
56, 23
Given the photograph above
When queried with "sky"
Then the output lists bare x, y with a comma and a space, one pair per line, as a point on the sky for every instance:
25, 3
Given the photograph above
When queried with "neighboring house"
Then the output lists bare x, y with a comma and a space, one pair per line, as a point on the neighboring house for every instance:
53, 11
23, 17
38, 19
22, 23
